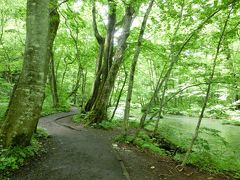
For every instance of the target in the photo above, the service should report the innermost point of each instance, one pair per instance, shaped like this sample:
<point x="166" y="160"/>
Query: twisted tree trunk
<point x="99" y="109"/>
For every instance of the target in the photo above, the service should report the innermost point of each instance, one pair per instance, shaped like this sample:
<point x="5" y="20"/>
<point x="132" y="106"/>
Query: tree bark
<point x="133" y="66"/>
<point x="108" y="46"/>
<point x="120" y="95"/>
<point x="53" y="27"/>
<point x="53" y="85"/>
<point x="99" y="109"/>
<point x="76" y="85"/>
<point x="97" y="81"/>
<point x="26" y="102"/>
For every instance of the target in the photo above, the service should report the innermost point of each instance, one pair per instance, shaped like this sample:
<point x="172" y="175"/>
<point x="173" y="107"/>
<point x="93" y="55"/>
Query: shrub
<point x="14" y="157"/>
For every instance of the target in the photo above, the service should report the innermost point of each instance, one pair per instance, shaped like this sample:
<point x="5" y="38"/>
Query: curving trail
<point x="74" y="154"/>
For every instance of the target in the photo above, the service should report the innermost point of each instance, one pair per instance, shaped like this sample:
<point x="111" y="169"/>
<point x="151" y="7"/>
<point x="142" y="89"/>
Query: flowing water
<point x="187" y="124"/>
<point x="230" y="133"/>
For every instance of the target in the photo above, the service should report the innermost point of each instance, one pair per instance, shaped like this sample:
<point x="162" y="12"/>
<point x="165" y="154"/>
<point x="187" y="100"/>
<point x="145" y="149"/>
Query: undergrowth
<point x="13" y="158"/>
<point x="48" y="108"/>
<point x="83" y="119"/>
<point x="211" y="152"/>
<point x="143" y="141"/>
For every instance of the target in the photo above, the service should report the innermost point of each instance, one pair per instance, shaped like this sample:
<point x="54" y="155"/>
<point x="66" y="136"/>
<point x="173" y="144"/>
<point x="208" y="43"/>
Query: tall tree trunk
<point x="161" y="104"/>
<point x="26" y="102"/>
<point x="53" y="84"/>
<point x="97" y="81"/>
<point x="83" y="90"/>
<point x="108" y="46"/>
<point x="120" y="95"/>
<point x="54" y="24"/>
<point x="76" y="85"/>
<point x="134" y="64"/>
<point x="207" y="92"/>
<point x="99" y="109"/>
<point x="105" y="52"/>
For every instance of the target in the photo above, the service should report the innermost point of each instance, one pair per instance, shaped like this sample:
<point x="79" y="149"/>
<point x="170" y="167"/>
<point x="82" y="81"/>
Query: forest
<point x="163" y="75"/>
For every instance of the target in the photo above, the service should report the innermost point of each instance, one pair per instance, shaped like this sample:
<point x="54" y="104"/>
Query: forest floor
<point x="78" y="153"/>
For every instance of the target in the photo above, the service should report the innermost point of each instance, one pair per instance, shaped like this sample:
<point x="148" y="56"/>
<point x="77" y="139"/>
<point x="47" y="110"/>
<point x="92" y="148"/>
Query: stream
<point x="187" y="124"/>
<point x="230" y="133"/>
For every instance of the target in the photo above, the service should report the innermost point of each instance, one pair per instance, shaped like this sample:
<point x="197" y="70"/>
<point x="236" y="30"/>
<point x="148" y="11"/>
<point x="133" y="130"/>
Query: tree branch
<point x="99" y="38"/>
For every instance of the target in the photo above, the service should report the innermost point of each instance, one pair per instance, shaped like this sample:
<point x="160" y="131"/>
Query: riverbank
<point x="216" y="149"/>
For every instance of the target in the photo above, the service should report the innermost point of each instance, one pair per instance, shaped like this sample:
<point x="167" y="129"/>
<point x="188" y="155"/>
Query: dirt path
<point x="79" y="154"/>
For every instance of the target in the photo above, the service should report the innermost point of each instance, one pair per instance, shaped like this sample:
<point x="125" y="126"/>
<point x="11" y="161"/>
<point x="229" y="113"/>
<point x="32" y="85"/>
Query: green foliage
<point x="133" y="124"/>
<point x="109" y="124"/>
<point x="13" y="158"/>
<point x="210" y="152"/>
<point x="216" y="134"/>
<point x="214" y="157"/>
<point x="124" y="139"/>
<point x="148" y="145"/>
<point x="5" y="89"/>
<point x="79" y="118"/>
<point x="218" y="111"/>
<point x="76" y="118"/>
<point x="143" y="141"/>
<point x="76" y="48"/>
<point x="40" y="134"/>
<point x="3" y="108"/>
<point x="48" y="108"/>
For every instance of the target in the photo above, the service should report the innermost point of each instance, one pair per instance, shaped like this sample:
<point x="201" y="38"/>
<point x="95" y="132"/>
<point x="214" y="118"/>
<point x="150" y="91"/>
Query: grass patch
<point x="48" y="109"/>
<point x="143" y="141"/>
<point x="13" y="158"/>
<point x="79" y="118"/>
<point x="109" y="124"/>
<point x="106" y="124"/>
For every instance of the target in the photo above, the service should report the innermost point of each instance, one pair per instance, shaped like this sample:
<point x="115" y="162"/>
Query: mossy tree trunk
<point x="105" y="52"/>
<point x="26" y="102"/>
<point x="54" y="24"/>
<point x="99" y="109"/>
